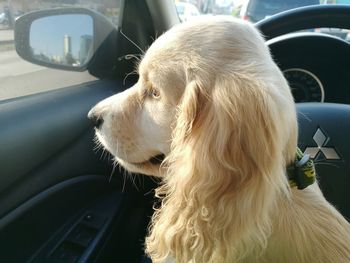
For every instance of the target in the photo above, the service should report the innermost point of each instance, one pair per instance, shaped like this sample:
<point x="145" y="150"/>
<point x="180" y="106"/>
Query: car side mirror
<point x="65" y="38"/>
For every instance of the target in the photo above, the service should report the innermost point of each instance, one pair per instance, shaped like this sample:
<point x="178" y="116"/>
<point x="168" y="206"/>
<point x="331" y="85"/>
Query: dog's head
<point x="135" y="126"/>
<point x="213" y="74"/>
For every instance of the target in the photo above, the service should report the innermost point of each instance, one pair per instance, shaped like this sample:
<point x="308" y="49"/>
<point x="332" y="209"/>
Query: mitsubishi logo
<point x="321" y="140"/>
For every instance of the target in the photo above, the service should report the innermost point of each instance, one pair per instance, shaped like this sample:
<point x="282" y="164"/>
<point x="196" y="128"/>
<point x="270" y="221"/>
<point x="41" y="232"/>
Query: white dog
<point x="212" y="102"/>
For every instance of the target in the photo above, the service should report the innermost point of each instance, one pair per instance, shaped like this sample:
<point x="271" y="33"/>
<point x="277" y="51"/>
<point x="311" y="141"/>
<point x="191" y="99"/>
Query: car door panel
<point x="39" y="130"/>
<point x="50" y="177"/>
<point x="34" y="222"/>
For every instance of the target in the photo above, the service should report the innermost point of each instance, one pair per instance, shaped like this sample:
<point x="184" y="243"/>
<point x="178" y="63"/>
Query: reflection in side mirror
<point x="65" y="39"/>
<point x="74" y="39"/>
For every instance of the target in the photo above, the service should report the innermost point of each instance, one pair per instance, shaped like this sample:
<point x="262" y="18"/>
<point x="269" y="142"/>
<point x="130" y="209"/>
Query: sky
<point x="47" y="33"/>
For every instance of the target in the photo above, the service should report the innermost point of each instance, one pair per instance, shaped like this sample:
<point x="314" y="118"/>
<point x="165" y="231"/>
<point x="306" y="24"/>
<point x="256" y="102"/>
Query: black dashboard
<point x="316" y="65"/>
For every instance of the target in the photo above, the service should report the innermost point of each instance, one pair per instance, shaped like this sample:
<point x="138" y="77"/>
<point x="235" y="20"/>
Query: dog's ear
<point x="233" y="127"/>
<point x="225" y="170"/>
<point x="191" y="104"/>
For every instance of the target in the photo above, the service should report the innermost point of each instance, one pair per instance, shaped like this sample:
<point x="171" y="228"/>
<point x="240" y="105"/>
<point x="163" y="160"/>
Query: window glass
<point x="19" y="77"/>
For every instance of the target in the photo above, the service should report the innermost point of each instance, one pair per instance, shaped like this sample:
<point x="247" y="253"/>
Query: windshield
<point x="180" y="9"/>
<point x="260" y="9"/>
<point x="252" y="10"/>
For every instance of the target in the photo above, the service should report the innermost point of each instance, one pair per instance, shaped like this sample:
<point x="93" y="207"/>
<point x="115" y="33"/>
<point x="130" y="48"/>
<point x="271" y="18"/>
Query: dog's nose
<point x="96" y="119"/>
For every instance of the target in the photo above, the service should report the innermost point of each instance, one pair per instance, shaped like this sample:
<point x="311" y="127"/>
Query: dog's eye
<point x="154" y="93"/>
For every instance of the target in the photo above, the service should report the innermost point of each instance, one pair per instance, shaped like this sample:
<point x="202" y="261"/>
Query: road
<point x="19" y="78"/>
<point x="6" y="35"/>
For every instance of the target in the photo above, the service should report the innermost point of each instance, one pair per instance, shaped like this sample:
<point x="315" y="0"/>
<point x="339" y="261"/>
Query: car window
<point x="19" y="77"/>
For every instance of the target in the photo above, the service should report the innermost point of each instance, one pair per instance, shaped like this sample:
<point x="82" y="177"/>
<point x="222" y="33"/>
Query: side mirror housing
<point x="65" y="38"/>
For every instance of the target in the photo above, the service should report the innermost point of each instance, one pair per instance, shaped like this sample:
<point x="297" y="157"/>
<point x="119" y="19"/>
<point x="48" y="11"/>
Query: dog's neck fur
<point x="302" y="224"/>
<point x="290" y="242"/>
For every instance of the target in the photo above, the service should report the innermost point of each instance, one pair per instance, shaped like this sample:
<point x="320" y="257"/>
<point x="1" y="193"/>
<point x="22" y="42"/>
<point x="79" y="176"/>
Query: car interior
<point x="63" y="200"/>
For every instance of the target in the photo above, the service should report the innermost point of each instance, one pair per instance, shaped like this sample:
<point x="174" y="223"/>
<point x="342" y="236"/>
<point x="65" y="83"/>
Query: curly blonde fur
<point x="225" y="195"/>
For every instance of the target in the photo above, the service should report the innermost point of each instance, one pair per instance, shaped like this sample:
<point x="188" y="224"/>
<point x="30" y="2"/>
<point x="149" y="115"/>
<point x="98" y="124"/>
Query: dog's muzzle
<point x="96" y="120"/>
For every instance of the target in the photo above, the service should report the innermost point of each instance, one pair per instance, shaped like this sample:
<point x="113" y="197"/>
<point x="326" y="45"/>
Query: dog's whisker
<point x="127" y="174"/>
<point x="127" y="75"/>
<point x="155" y="36"/>
<point x="124" y="181"/>
<point x="106" y="154"/>
<point x="97" y="144"/>
<point x="134" y="177"/>
<point x="132" y="42"/>
<point x="98" y="147"/>
<point x="102" y="153"/>
<point x="112" y="172"/>
<point x="149" y="191"/>
<point x="131" y="56"/>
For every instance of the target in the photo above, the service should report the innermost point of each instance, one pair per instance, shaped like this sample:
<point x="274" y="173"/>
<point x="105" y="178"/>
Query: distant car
<point x="3" y="19"/>
<point x="223" y="7"/>
<point x="186" y="11"/>
<point x="255" y="10"/>
<point x="338" y="32"/>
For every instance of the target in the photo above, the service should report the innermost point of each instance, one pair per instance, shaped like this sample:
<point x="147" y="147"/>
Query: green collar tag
<point x="302" y="172"/>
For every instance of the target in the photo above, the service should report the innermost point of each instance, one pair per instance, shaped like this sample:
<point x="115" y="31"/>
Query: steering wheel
<point x="324" y="128"/>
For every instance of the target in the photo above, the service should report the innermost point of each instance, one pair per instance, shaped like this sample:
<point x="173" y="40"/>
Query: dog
<point x="213" y="116"/>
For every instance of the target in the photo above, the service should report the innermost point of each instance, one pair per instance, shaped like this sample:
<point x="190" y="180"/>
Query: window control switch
<point x="67" y="253"/>
<point x="93" y="220"/>
<point x="82" y="235"/>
